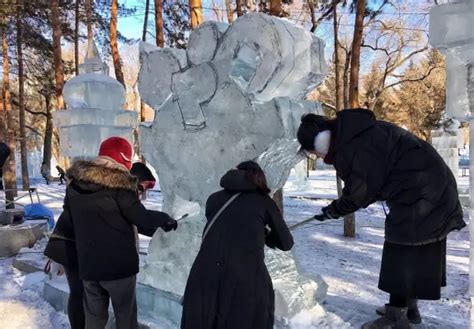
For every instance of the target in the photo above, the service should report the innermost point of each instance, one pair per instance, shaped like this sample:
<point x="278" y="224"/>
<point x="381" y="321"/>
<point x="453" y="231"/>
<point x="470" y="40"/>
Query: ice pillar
<point x="452" y="31"/>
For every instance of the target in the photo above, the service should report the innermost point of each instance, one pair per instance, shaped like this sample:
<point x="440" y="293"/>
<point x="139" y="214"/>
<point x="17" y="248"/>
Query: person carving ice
<point x="96" y="230"/>
<point x="379" y="161"/>
<point x="229" y="285"/>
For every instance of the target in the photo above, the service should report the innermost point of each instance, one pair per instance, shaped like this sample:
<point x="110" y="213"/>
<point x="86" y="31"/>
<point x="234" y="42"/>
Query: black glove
<point x="326" y="213"/>
<point x="171" y="224"/>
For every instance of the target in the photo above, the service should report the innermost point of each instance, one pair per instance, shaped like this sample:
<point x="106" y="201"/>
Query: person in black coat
<point x="95" y="236"/>
<point x="379" y="161"/>
<point x="4" y="154"/>
<point x="229" y="286"/>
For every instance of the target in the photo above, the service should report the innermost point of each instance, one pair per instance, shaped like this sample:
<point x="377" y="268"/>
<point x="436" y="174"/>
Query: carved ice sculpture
<point x="95" y="111"/>
<point x="235" y="94"/>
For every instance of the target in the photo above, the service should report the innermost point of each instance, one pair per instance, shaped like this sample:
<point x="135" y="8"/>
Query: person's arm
<point x="61" y="247"/>
<point x="146" y="221"/>
<point x="362" y="183"/>
<point x="278" y="235"/>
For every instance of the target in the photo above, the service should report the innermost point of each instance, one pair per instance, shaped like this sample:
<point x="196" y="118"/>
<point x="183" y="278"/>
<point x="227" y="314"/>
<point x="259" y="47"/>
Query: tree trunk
<point x="338" y="79"/>
<point x="349" y="220"/>
<point x="275" y="8"/>
<point x="145" y="20"/>
<point x="76" y="38"/>
<point x="3" y="127"/>
<point x="113" y="42"/>
<point x="196" y="13"/>
<point x="145" y="25"/>
<point x="48" y="138"/>
<point x="230" y="11"/>
<point x="21" y="100"/>
<point x="238" y="8"/>
<point x="278" y="198"/>
<point x="337" y="67"/>
<point x="345" y="79"/>
<point x="9" y="175"/>
<point x="160" y="37"/>
<point x="355" y="55"/>
<point x="58" y="62"/>
<point x="89" y="19"/>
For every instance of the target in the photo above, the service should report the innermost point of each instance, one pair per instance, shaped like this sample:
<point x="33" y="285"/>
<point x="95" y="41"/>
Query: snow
<point x="349" y="266"/>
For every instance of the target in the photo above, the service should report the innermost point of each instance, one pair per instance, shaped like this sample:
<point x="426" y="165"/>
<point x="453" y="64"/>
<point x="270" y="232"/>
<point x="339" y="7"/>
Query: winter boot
<point x="413" y="312"/>
<point x="394" y="318"/>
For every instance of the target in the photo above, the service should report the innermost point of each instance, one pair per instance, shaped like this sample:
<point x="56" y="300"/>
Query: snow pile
<point x="21" y="304"/>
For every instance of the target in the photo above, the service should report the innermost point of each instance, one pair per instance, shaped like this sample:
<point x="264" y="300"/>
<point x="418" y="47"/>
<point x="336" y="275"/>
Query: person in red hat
<point x="101" y="207"/>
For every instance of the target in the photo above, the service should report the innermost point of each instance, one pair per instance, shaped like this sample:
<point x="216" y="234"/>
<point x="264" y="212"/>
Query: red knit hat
<point x="118" y="149"/>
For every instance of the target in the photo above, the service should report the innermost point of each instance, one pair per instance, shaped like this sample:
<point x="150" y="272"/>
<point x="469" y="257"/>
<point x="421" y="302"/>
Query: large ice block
<point x="95" y="111"/>
<point x="239" y="96"/>
<point x="92" y="90"/>
<point x="452" y="31"/>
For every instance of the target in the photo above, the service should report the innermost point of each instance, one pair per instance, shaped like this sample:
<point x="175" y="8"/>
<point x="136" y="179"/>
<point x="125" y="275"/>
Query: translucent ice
<point x="92" y="90"/>
<point x="238" y="98"/>
<point x="95" y="111"/>
<point x="452" y="31"/>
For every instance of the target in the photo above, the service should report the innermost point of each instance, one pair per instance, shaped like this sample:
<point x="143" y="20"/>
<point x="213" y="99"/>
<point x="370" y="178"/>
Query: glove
<point x="171" y="224"/>
<point x="326" y="213"/>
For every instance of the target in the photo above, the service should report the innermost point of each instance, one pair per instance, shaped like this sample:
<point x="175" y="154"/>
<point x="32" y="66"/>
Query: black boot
<point x="413" y="312"/>
<point x="394" y="318"/>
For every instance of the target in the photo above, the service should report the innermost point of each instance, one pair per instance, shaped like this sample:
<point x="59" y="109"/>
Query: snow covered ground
<point x="349" y="266"/>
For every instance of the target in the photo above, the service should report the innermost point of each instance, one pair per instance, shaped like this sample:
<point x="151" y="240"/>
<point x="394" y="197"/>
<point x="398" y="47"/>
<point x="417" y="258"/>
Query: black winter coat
<point x="4" y="153"/>
<point x="100" y="207"/>
<point x="379" y="161"/>
<point x="229" y="285"/>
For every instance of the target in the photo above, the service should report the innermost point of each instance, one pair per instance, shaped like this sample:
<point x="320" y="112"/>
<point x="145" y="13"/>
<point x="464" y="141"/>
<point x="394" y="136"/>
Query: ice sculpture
<point x="447" y="140"/>
<point x="95" y="111"/>
<point x="235" y="94"/>
<point x="452" y="31"/>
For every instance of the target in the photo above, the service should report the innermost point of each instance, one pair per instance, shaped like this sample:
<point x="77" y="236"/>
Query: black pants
<point x="96" y="303"/>
<point x="75" y="305"/>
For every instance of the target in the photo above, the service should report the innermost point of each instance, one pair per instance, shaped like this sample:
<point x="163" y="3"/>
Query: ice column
<point x="447" y="140"/>
<point x="452" y="31"/>
<point x="95" y="112"/>
<point x="236" y="93"/>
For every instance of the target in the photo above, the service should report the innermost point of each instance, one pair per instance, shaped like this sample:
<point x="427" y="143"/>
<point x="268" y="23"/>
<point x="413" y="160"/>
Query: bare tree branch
<point x="423" y="77"/>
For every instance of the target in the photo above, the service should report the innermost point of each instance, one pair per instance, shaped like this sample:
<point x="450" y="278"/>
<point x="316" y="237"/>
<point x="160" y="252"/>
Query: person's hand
<point x="326" y="213"/>
<point x="171" y="224"/>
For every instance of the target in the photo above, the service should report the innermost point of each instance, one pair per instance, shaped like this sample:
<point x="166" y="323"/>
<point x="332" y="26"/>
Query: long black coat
<point x="380" y="161"/>
<point x="229" y="285"/>
<point x="94" y="231"/>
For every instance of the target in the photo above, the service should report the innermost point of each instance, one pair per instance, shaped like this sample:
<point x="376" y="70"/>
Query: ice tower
<point x="95" y="109"/>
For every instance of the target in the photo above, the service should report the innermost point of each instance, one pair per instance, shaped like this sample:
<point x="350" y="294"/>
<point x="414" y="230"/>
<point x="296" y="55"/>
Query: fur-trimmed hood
<point x="101" y="172"/>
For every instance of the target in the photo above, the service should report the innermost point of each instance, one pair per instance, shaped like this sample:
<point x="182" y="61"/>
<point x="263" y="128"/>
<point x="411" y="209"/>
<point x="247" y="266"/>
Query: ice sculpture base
<point x="156" y="304"/>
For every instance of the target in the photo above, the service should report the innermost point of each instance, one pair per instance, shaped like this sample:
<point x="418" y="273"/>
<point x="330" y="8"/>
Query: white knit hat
<point x="322" y="141"/>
